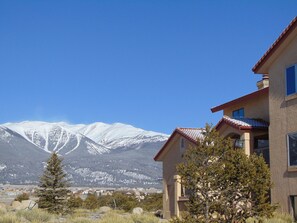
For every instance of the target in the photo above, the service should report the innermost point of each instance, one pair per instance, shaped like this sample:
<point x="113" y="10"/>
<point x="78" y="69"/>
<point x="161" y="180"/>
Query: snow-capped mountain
<point x="99" y="137"/>
<point x="58" y="137"/>
<point x="119" y="135"/>
<point x="98" y="153"/>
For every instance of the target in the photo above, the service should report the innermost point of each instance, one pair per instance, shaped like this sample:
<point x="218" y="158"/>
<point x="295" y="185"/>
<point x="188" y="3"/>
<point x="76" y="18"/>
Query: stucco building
<point x="170" y="155"/>
<point x="262" y="122"/>
<point x="246" y="121"/>
<point x="280" y="64"/>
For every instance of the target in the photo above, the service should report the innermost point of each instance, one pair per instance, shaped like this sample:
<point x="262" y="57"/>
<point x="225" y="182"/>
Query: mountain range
<point x="97" y="154"/>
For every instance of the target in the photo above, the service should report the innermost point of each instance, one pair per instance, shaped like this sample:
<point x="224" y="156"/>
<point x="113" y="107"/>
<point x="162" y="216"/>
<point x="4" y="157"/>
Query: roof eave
<point x="259" y="67"/>
<point x="176" y="131"/>
<point x="240" y="99"/>
<point x="243" y="128"/>
<point x="157" y="156"/>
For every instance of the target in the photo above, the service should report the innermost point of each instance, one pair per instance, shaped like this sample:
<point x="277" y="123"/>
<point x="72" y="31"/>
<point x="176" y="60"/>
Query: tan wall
<point x="283" y="120"/>
<point x="170" y="192"/>
<point x="256" y="108"/>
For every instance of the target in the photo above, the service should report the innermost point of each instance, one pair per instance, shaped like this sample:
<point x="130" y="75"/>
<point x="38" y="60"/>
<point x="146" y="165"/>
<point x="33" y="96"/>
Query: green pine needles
<point x="53" y="192"/>
<point x="223" y="183"/>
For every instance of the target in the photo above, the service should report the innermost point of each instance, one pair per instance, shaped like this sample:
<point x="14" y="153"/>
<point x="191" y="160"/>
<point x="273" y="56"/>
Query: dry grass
<point x="87" y="216"/>
<point x="80" y="220"/>
<point x="35" y="215"/>
<point x="9" y="218"/>
<point x="78" y="216"/>
<point x="277" y="218"/>
<point x="116" y="218"/>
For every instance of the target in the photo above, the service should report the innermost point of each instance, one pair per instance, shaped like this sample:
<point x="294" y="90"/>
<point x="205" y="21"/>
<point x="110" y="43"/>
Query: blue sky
<point x="154" y="64"/>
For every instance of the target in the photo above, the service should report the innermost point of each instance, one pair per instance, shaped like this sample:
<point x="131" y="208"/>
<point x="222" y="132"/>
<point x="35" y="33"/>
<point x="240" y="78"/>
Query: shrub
<point x="124" y="202"/>
<point x="91" y="202"/>
<point x="152" y="202"/>
<point x="22" y="197"/>
<point x="119" y="201"/>
<point x="106" y="200"/>
<point x="75" y="202"/>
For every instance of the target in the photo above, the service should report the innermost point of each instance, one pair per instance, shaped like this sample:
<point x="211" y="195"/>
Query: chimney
<point x="264" y="82"/>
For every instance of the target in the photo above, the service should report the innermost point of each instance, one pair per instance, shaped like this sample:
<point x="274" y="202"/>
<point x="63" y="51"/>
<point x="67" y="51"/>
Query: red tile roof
<point x="243" y="123"/>
<point x="276" y="44"/>
<point x="252" y="95"/>
<point x="191" y="134"/>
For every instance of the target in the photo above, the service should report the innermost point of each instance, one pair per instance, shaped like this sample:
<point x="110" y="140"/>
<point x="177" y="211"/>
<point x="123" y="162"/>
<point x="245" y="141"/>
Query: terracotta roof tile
<point x="192" y="133"/>
<point x="244" y="123"/>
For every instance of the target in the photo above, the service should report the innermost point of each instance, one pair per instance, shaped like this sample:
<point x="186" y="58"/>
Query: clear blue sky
<point x="155" y="64"/>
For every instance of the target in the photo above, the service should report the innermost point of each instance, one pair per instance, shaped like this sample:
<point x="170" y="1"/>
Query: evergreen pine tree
<point x="200" y="171"/>
<point x="53" y="192"/>
<point x="224" y="184"/>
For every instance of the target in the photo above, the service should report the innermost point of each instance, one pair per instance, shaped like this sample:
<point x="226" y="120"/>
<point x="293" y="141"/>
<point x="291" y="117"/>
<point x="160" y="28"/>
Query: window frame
<point x="286" y="77"/>
<point x="288" y="150"/>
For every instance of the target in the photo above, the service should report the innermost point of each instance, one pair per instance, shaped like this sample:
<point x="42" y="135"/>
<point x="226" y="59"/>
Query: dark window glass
<point x="261" y="143"/>
<point x="294" y="206"/>
<point x="292" y="143"/>
<point x="238" y="113"/>
<point x="261" y="147"/>
<point x="265" y="153"/>
<point x="291" y="80"/>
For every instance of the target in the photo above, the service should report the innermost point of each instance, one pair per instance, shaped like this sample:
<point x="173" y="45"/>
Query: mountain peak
<point x="100" y="153"/>
<point x="54" y="136"/>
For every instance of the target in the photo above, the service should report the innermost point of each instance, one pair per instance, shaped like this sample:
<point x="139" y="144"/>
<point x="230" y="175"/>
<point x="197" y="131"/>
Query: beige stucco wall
<point x="171" y="192"/>
<point x="255" y="108"/>
<point x="283" y="120"/>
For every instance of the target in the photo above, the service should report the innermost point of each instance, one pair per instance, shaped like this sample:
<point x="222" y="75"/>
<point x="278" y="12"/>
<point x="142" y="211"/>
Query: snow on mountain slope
<point x="118" y="135"/>
<point x="99" y="137"/>
<point x="101" y="154"/>
<point x="55" y="137"/>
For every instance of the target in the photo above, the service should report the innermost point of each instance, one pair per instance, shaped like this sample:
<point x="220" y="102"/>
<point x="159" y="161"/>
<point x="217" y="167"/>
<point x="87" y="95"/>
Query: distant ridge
<point x="98" y="153"/>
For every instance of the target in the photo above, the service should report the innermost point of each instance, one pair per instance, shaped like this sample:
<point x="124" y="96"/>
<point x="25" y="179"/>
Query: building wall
<point x="256" y="108"/>
<point x="171" y="186"/>
<point x="283" y="120"/>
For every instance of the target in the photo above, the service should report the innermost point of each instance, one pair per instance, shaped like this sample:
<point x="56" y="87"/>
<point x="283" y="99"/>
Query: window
<point x="261" y="147"/>
<point x="291" y="80"/>
<point x="292" y="148"/>
<point x="239" y="113"/>
<point x="238" y="143"/>
<point x="293" y="201"/>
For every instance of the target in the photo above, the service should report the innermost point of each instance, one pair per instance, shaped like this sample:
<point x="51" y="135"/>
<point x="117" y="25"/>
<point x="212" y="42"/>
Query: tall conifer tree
<point x="223" y="183"/>
<point x="53" y="191"/>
